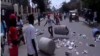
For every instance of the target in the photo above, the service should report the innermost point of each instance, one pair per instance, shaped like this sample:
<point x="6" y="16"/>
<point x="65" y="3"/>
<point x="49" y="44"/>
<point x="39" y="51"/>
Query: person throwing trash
<point x="50" y="27"/>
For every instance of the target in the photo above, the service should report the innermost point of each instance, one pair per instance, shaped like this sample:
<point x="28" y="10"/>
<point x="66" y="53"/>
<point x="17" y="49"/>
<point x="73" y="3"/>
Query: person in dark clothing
<point x="39" y="16"/>
<point x="70" y="17"/>
<point x="60" y="16"/>
<point x="20" y="25"/>
<point x="44" y="15"/>
<point x="90" y="16"/>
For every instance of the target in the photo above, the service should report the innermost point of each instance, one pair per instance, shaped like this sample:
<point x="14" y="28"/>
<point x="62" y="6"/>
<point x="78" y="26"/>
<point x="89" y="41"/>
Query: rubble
<point x="85" y="52"/>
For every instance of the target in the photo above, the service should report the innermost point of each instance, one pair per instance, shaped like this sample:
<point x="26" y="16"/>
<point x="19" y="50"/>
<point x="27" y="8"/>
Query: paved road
<point x="78" y="27"/>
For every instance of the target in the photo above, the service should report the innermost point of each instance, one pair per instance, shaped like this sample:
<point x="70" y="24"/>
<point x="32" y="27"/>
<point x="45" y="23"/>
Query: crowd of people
<point x="90" y="15"/>
<point x="14" y="33"/>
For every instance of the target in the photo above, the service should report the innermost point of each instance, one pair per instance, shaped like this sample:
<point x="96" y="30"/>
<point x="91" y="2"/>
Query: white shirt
<point x="29" y="35"/>
<point x="19" y="22"/>
<point x="64" y="14"/>
<point x="49" y="22"/>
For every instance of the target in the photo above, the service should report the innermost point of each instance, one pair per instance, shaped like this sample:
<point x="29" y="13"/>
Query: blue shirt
<point x="39" y="16"/>
<point x="95" y="30"/>
<point x="2" y="28"/>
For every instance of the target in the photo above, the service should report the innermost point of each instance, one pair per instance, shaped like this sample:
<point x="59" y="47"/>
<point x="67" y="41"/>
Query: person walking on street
<point x="54" y="16"/>
<point x="60" y="16"/>
<point x="90" y="16"/>
<point x="50" y="27"/>
<point x="39" y="16"/>
<point x="12" y="36"/>
<point x="30" y="38"/>
<point x="3" y="33"/>
<point x="20" y="25"/>
<point x="64" y="15"/>
<point x="44" y="16"/>
<point x="70" y="17"/>
<point x="57" y="20"/>
<point x="95" y="16"/>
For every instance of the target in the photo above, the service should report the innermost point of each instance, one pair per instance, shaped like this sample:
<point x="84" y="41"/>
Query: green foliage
<point x="94" y="5"/>
<point x="42" y="4"/>
<point x="64" y="8"/>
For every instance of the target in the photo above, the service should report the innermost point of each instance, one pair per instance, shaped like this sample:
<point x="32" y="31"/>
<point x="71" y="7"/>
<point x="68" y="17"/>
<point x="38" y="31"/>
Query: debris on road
<point x="77" y="53"/>
<point x="39" y="32"/>
<point x="85" y="52"/>
<point x="92" y="45"/>
<point x="80" y="42"/>
<point x="68" y="54"/>
<point x="70" y="47"/>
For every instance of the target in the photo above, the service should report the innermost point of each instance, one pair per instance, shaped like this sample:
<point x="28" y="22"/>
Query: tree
<point x="74" y="5"/>
<point x="93" y="5"/>
<point x="64" y="8"/>
<point x="42" y="4"/>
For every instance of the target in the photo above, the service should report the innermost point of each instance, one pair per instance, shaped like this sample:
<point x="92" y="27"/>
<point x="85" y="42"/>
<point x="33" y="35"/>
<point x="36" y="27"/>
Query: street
<point x="79" y="28"/>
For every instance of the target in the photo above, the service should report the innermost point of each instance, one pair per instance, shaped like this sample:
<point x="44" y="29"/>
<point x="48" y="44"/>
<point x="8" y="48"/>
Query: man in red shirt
<point x="12" y="36"/>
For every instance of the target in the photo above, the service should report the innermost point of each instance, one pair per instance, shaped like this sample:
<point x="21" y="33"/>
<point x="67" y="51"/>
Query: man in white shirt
<point x="30" y="38"/>
<point x="50" y="28"/>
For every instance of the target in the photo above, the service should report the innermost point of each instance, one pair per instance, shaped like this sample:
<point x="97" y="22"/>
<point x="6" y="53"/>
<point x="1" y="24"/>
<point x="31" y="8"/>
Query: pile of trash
<point x="64" y="43"/>
<point x="39" y="32"/>
<point x="78" y="35"/>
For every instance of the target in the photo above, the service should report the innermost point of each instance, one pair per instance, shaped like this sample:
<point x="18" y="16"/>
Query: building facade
<point x="6" y="9"/>
<point x="7" y="2"/>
